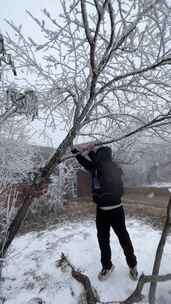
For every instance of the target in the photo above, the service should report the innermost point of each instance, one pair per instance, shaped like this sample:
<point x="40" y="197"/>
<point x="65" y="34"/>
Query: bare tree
<point x="105" y="71"/>
<point x="103" y="68"/>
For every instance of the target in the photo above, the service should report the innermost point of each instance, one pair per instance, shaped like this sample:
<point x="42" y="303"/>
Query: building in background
<point x="69" y="180"/>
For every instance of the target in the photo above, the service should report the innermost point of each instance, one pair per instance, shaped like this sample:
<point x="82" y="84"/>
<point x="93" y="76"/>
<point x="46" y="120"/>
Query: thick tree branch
<point x="85" y="22"/>
<point x="159" y="253"/>
<point x="92" y="296"/>
<point x="162" y="61"/>
<point x="160" y="119"/>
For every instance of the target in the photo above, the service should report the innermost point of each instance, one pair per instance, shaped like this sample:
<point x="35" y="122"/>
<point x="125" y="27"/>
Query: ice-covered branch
<point x="102" y="60"/>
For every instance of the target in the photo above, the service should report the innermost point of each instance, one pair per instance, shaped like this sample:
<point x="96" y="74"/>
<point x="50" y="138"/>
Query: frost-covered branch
<point x="100" y="50"/>
<point x="5" y="58"/>
<point x="97" y="59"/>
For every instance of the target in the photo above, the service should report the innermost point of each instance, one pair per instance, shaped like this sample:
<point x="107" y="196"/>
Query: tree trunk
<point x="38" y="180"/>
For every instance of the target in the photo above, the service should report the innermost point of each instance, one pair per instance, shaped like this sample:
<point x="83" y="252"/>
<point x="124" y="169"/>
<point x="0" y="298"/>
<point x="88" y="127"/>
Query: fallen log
<point x="90" y="294"/>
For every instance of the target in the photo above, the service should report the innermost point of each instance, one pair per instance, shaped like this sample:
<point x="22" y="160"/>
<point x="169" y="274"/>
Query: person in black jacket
<point x="107" y="189"/>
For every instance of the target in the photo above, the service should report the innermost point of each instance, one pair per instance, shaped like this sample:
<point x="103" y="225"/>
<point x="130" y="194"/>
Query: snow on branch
<point x="18" y="103"/>
<point x="103" y="54"/>
<point x="103" y="58"/>
<point x="24" y="102"/>
<point x="90" y="295"/>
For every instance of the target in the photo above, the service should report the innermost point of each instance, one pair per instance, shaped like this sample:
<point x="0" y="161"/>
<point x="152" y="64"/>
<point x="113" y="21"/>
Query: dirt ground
<point x="148" y="205"/>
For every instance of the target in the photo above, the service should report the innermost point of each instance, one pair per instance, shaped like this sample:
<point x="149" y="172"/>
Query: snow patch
<point x="30" y="270"/>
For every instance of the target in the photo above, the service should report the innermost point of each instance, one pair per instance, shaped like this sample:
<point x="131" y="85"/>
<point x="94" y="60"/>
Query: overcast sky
<point x="15" y="11"/>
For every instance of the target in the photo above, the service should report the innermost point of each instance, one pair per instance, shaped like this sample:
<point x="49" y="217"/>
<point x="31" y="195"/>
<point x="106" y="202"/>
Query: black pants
<point x="114" y="218"/>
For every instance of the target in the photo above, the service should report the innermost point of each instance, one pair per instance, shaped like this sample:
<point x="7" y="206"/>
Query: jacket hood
<point x="103" y="154"/>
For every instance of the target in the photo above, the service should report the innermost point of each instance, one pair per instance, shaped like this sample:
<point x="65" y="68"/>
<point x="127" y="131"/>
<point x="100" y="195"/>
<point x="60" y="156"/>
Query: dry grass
<point x="149" y="205"/>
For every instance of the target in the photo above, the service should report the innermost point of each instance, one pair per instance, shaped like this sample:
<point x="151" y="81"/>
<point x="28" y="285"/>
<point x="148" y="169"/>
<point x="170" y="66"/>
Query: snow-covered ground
<point x="31" y="271"/>
<point x="159" y="185"/>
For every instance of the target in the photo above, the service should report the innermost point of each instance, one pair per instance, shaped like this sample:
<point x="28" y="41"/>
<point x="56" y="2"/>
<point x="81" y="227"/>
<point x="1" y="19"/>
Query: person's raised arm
<point x="91" y="155"/>
<point x="87" y="164"/>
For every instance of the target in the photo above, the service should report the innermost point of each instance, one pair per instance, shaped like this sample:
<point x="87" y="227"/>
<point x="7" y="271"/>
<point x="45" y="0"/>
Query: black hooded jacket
<point x="107" y="187"/>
